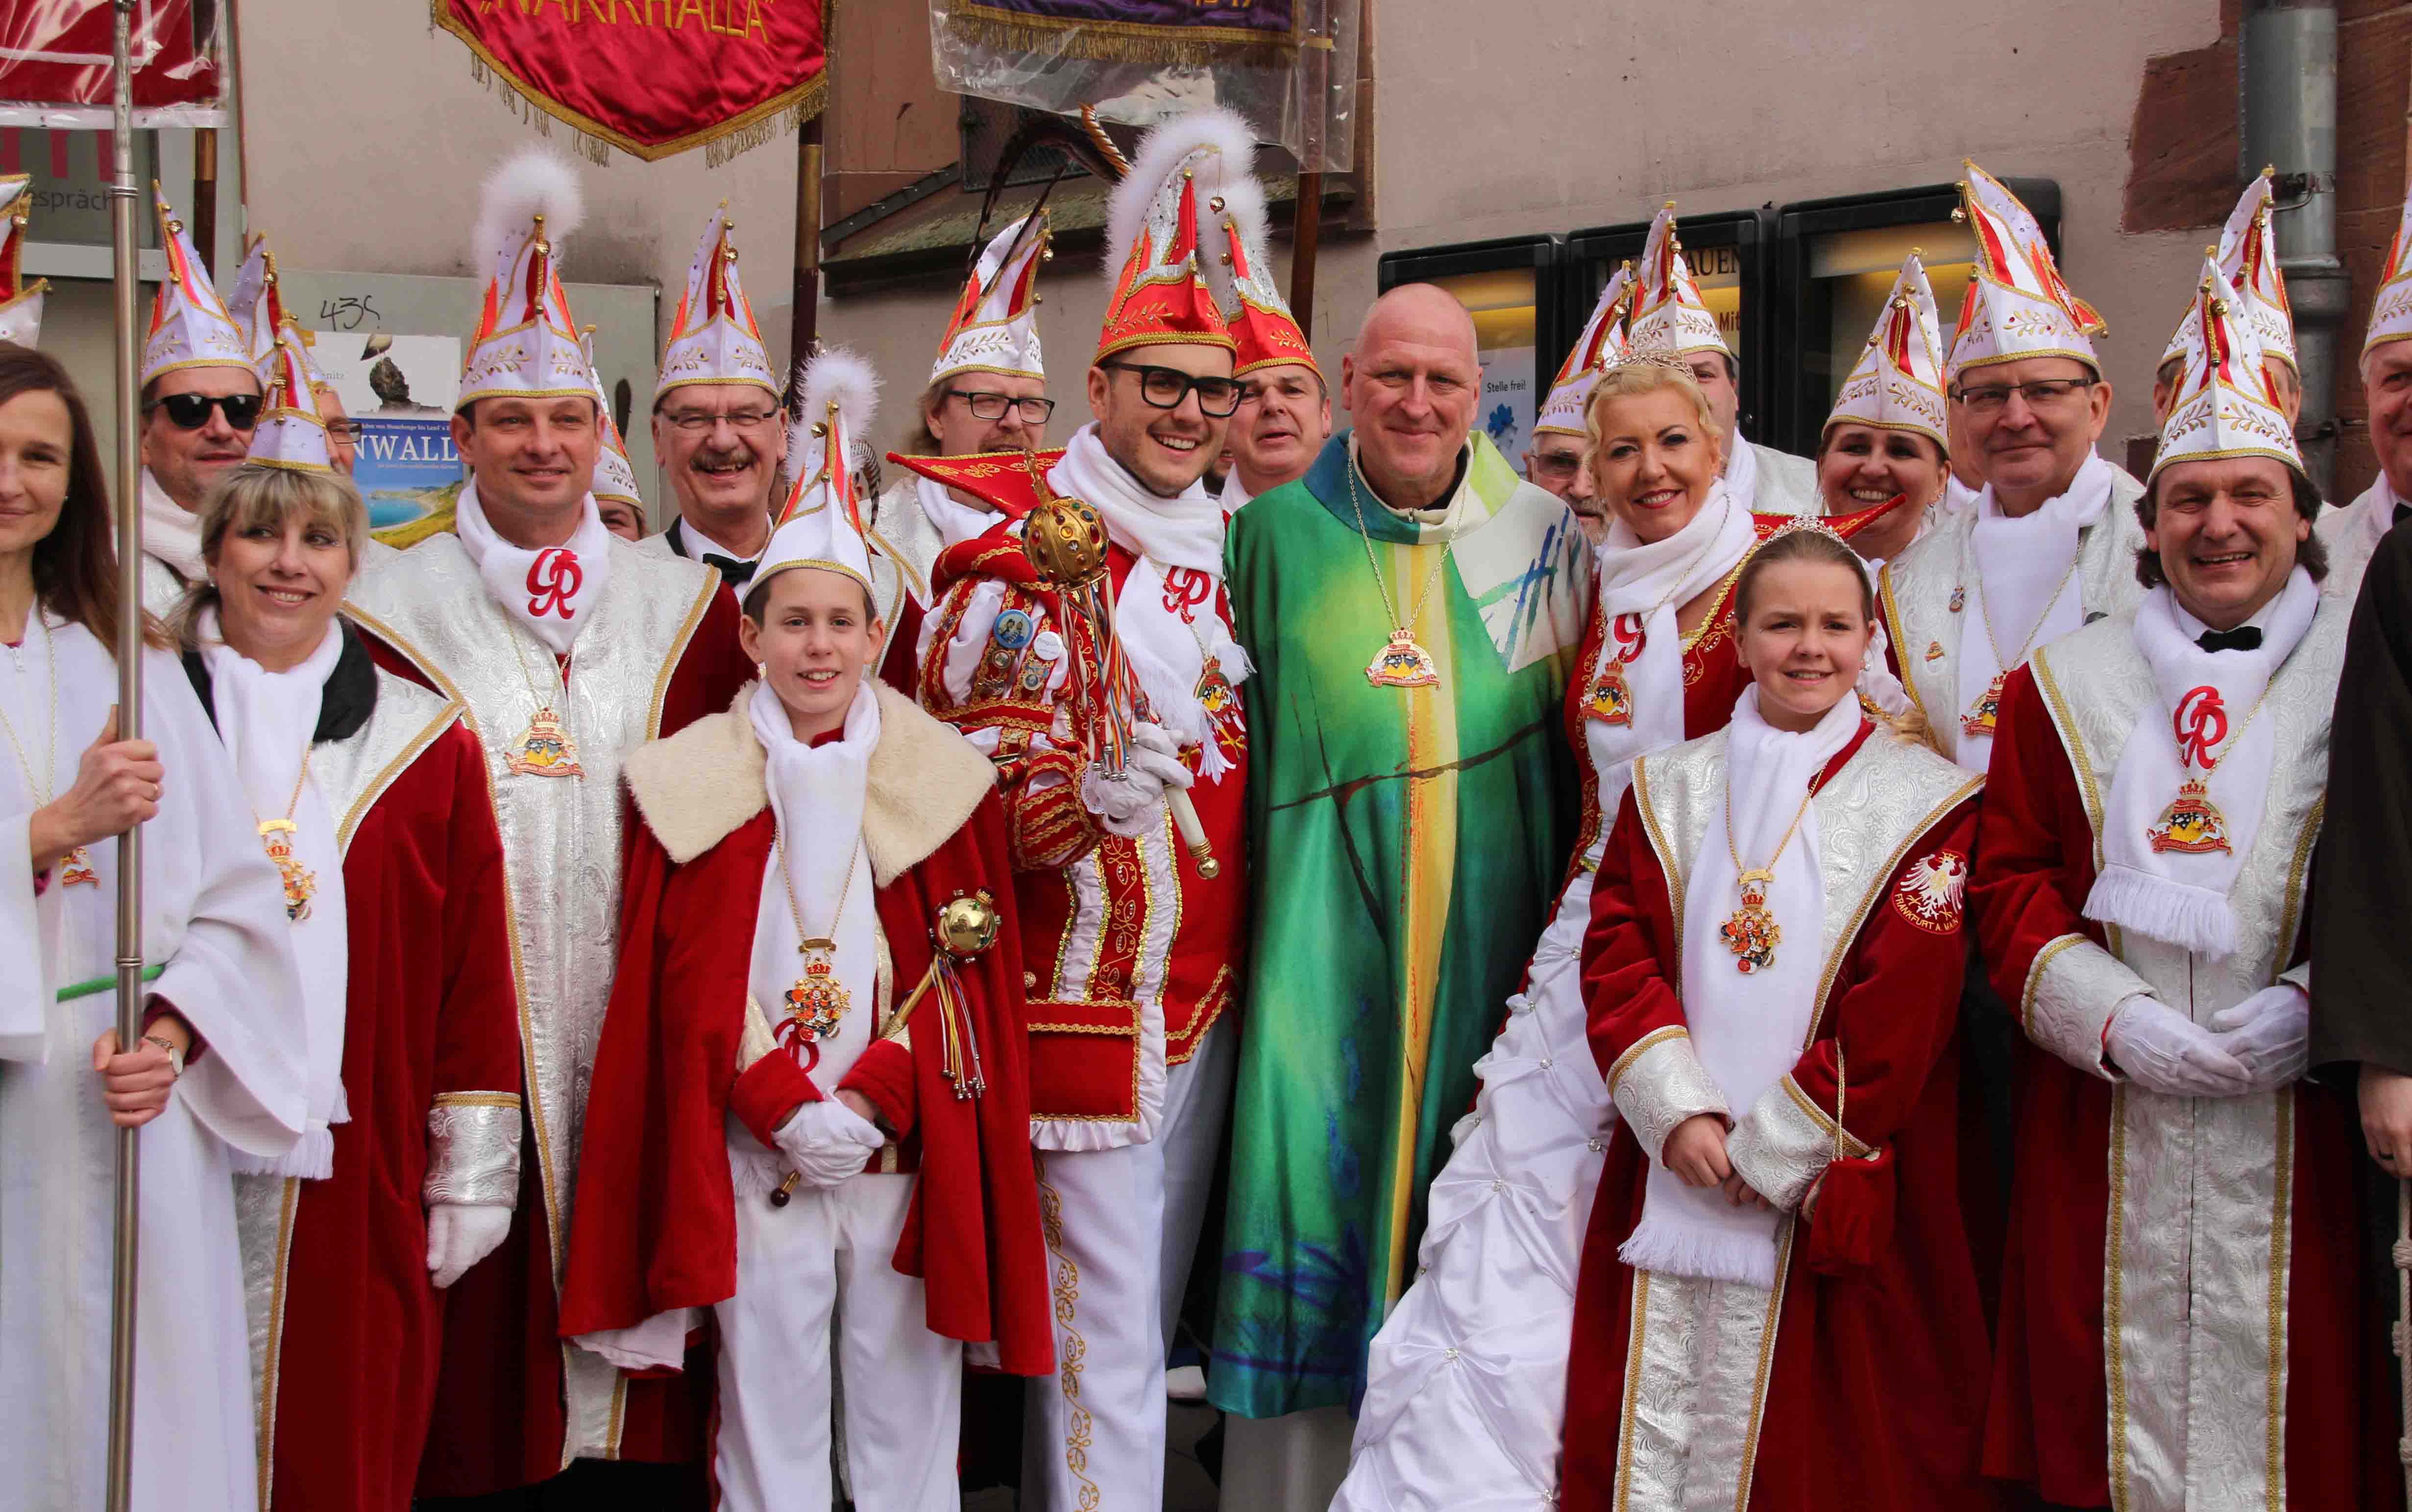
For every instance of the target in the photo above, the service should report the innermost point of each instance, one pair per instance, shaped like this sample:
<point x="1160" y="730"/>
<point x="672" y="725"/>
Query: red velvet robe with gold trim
<point x="2049" y="1422"/>
<point x="1875" y="1392"/>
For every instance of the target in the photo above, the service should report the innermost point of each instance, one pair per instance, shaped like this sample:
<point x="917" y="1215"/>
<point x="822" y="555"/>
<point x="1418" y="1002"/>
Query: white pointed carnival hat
<point x="615" y="475"/>
<point x="258" y="307"/>
<point x="2390" y="312"/>
<point x="2016" y="307"/>
<point x="1161" y="296"/>
<point x="20" y="303"/>
<point x="289" y="435"/>
<point x="2224" y="407"/>
<point x="820" y="524"/>
<point x="1668" y="315"/>
<point x="2250" y="264"/>
<point x="1237" y="258"/>
<point x="526" y="345"/>
<point x="190" y="327"/>
<point x="1897" y="385"/>
<point x="994" y="327"/>
<point x="713" y="338"/>
<point x="1602" y="346"/>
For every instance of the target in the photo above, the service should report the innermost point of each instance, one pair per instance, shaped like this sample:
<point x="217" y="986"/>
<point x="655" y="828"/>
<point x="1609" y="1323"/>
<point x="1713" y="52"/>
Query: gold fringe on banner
<point x="593" y="139"/>
<point x="1116" y="41"/>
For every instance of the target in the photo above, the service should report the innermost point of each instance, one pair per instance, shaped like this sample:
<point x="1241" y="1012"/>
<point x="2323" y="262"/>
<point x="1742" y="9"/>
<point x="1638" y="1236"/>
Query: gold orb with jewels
<point x="1065" y="538"/>
<point x="968" y="926"/>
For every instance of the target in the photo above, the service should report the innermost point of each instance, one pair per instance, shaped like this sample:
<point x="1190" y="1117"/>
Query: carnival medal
<point x="300" y="883"/>
<point x="818" y="1001"/>
<point x="2192" y="824"/>
<point x="1979" y="719"/>
<point x="546" y="750"/>
<point x="1751" y="931"/>
<point x="1403" y="663"/>
<point x="1610" y="699"/>
<point x="76" y="870"/>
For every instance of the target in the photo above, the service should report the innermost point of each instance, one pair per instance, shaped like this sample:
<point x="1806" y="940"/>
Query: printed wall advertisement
<point x="1508" y="401"/>
<point x="401" y="389"/>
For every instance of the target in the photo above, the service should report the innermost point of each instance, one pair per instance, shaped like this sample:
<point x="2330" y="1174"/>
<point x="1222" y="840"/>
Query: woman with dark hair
<point x="217" y="1075"/>
<point x="375" y="794"/>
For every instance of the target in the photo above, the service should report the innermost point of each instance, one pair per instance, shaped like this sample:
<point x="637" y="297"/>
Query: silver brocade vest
<point x="561" y="835"/>
<point x="2194" y="1280"/>
<point x="353" y="773"/>
<point x="1926" y="590"/>
<point x="902" y="534"/>
<point x="1696" y="1382"/>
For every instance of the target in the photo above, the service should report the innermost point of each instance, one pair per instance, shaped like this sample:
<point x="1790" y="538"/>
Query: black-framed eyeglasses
<point x="693" y="421"/>
<point x="987" y="405"/>
<point x="1989" y="399"/>
<point x="350" y="430"/>
<point x="190" y="412"/>
<point x="1166" y="387"/>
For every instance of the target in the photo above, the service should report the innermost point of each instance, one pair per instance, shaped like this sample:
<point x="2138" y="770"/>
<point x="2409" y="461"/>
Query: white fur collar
<point x="695" y="788"/>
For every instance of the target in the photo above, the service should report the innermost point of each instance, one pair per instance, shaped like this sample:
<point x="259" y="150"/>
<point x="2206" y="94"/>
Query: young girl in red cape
<point x="810" y="1116"/>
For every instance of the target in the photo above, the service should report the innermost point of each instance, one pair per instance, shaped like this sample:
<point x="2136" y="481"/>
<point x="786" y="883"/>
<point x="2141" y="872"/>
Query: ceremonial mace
<point x="129" y="727"/>
<point x="1064" y="539"/>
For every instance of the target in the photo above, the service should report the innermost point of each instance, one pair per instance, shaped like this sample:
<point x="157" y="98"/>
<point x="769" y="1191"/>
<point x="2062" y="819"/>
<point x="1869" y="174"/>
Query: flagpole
<point x="129" y="727"/>
<point x="803" y="319"/>
<point x="1306" y="212"/>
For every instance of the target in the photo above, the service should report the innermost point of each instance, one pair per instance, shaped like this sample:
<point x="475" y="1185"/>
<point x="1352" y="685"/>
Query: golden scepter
<point x="1064" y="539"/>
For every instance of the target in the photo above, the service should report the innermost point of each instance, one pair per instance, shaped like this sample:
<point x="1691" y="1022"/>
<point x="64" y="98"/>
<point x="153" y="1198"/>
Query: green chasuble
<point x="1405" y="847"/>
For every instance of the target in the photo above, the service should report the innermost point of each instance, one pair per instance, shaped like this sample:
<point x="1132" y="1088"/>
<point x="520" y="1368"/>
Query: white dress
<point x="215" y="914"/>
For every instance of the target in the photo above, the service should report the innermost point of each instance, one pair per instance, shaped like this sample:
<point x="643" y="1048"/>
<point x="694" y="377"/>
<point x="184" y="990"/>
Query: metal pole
<point x="1306" y="217"/>
<point x="129" y="727"/>
<point x="2288" y="73"/>
<point x="205" y="197"/>
<point x="803" y="321"/>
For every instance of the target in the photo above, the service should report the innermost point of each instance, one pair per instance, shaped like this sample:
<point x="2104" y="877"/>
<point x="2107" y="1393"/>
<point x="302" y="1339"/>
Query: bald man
<point x="1412" y="608"/>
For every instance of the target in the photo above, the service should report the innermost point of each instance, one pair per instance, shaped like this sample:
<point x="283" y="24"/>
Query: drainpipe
<point x="2287" y="74"/>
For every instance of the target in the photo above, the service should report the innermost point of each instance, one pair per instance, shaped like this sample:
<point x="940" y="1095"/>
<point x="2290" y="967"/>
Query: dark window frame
<point x="1592" y="255"/>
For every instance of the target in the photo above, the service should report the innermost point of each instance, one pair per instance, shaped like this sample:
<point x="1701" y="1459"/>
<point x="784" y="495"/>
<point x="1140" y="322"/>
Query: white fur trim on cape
<point x="695" y="788"/>
<point x="1159" y="155"/>
<point x="534" y="180"/>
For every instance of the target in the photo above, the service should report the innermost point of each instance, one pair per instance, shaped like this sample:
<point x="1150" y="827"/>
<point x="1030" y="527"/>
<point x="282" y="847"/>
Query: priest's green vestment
<point x="1405" y="848"/>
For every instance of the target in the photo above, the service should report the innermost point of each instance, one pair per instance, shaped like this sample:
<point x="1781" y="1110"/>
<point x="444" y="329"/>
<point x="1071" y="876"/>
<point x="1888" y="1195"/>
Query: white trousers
<point x="1121" y="1226"/>
<point x="904" y="1384"/>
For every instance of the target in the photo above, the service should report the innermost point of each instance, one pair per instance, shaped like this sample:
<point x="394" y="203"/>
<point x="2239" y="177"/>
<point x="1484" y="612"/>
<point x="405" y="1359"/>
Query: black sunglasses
<point x="1166" y="387"/>
<point x="190" y="412"/>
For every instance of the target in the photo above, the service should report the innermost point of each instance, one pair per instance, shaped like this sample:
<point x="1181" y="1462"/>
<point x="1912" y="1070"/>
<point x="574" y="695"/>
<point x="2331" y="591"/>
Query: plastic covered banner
<point x="56" y="60"/>
<point x="1287" y="67"/>
<point x="654" y="76"/>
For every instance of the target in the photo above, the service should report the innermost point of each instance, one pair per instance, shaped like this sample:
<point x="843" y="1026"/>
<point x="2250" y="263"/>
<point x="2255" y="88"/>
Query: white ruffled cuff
<point x="2074" y="988"/>
<point x="473" y="1148"/>
<point x="1659" y="1083"/>
<point x="1785" y="1144"/>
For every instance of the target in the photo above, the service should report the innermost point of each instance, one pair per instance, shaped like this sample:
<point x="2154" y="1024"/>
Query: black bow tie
<point x="2243" y="638"/>
<point x="737" y="574"/>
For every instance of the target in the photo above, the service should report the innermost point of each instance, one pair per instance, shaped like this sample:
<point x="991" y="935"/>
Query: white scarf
<point x="552" y="590"/>
<point x="1642" y="587"/>
<point x="1742" y="471"/>
<point x="956" y="521"/>
<point x="1234" y="494"/>
<point x="1747" y="1031"/>
<point x="265" y="721"/>
<point x="1167" y="613"/>
<point x="817" y="795"/>
<point x="2024" y="578"/>
<point x="2177" y="896"/>
<point x="171" y="532"/>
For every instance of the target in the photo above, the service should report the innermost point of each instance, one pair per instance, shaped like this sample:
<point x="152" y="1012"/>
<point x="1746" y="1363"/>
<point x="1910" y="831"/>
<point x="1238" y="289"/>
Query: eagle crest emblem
<point x="1930" y="893"/>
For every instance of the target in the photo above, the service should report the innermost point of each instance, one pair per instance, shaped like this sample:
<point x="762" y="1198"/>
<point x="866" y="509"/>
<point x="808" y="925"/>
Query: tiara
<point x="1796" y="523"/>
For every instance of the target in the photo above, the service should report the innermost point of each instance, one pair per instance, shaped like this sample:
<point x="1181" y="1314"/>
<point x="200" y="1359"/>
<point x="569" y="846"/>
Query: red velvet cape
<point x="664" y="1080"/>
<point x="2049" y="1422"/>
<point x="1875" y="1384"/>
<point x="431" y="1008"/>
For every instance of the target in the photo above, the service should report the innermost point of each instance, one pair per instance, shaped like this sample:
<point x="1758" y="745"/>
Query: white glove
<point x="1133" y="805"/>
<point x="461" y="1234"/>
<point x="2163" y="1051"/>
<point x="829" y="1142"/>
<point x="2270" y="1033"/>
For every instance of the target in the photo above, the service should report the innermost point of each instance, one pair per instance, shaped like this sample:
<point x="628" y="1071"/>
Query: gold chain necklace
<point x="1751" y="931"/>
<point x="1402" y="663"/>
<point x="546" y="749"/>
<point x="1982" y="716"/>
<point x="818" y="1001"/>
<point x="75" y="866"/>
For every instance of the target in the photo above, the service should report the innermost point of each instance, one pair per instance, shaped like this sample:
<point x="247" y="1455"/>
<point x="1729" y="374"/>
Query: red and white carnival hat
<point x="2250" y="263"/>
<point x="2224" y="405"/>
<point x="994" y="327"/>
<point x="1240" y="273"/>
<point x="1897" y="385"/>
<point x="289" y="435"/>
<point x="1669" y="317"/>
<point x="2016" y="307"/>
<point x="820" y="524"/>
<point x="20" y="303"/>
<point x="713" y="338"/>
<point x="1160" y="298"/>
<point x="190" y="327"/>
<point x="526" y="346"/>
<point x="1601" y="347"/>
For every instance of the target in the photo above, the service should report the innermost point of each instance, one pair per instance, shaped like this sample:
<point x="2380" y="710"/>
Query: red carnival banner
<point x="54" y="63"/>
<point x="655" y="77"/>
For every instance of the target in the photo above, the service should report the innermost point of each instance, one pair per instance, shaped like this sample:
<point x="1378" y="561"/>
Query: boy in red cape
<point x="810" y="1083"/>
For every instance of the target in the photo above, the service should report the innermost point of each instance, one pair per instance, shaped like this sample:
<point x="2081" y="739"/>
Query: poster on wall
<point x="401" y="389"/>
<point x="1509" y="403"/>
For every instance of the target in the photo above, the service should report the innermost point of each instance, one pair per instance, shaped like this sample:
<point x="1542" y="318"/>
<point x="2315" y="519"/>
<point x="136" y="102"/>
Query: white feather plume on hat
<point x="531" y="181"/>
<point x="841" y="376"/>
<point x="1160" y="156"/>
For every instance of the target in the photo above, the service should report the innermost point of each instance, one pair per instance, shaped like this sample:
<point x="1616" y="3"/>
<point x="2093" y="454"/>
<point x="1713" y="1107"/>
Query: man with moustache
<point x="717" y="424"/>
<point x="570" y="650"/>
<point x="2352" y="533"/>
<point x="1131" y="939"/>
<point x="201" y="399"/>
<point x="1413" y="609"/>
<point x="987" y="393"/>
